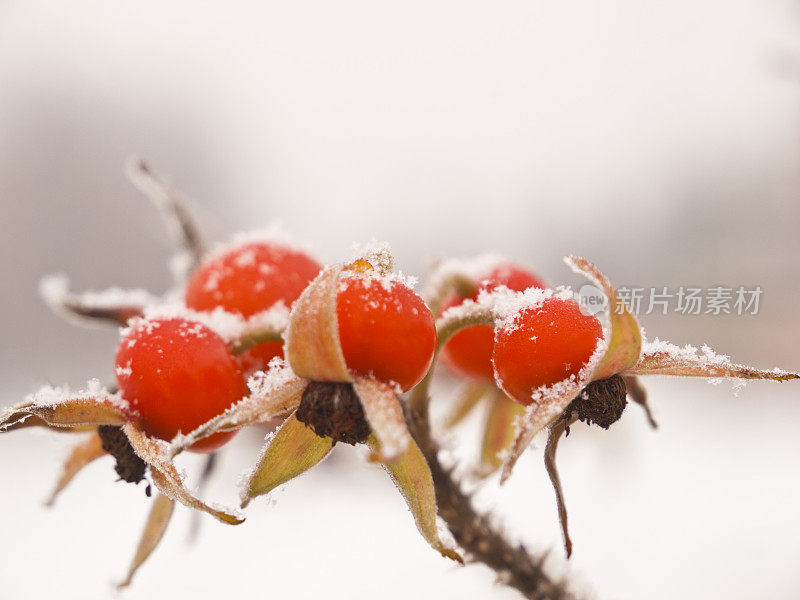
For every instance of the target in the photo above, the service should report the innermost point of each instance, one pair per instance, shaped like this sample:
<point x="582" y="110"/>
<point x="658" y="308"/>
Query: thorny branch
<point x="475" y="533"/>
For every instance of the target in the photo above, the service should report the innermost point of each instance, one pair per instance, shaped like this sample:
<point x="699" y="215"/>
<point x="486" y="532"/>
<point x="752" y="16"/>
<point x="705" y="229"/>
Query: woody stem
<point x="476" y="533"/>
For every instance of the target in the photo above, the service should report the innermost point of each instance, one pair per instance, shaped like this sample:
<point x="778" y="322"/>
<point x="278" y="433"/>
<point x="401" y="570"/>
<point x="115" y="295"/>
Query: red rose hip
<point x="177" y="375"/>
<point x="542" y="346"/>
<point x="386" y="330"/>
<point x="248" y="279"/>
<point x="470" y="350"/>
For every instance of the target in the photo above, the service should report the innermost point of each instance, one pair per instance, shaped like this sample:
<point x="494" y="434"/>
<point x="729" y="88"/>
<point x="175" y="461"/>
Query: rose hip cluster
<point x="344" y="353"/>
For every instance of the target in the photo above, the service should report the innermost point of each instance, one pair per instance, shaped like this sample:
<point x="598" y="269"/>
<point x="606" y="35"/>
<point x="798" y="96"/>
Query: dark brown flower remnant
<point x="602" y="402"/>
<point x="333" y="410"/>
<point x="130" y="467"/>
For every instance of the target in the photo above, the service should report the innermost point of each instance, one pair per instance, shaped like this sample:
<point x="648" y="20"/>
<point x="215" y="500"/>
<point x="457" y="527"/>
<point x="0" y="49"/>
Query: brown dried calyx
<point x="130" y="467"/>
<point x="602" y="402"/>
<point x="333" y="410"/>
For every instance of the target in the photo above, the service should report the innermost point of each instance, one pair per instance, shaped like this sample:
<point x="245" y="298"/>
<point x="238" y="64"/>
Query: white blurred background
<point x="660" y="139"/>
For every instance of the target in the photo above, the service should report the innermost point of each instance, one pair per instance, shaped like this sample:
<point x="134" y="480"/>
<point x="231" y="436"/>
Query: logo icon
<point x="592" y="300"/>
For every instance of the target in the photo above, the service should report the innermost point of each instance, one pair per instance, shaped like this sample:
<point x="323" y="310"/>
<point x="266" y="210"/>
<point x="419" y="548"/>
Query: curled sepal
<point x="667" y="359"/>
<point x="467" y="314"/>
<point x="384" y="413"/>
<point x="257" y="333"/>
<point x="556" y="431"/>
<point x="625" y="339"/>
<point x="166" y="477"/>
<point x="499" y="431"/>
<point x="293" y="450"/>
<point x="548" y="404"/>
<point x="81" y="455"/>
<point x="412" y="476"/>
<point x="63" y="412"/>
<point x="466" y="400"/>
<point x="273" y="394"/>
<point x="154" y="528"/>
<point x="313" y="349"/>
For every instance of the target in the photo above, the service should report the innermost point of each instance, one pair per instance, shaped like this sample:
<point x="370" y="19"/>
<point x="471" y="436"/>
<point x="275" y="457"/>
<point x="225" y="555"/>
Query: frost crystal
<point x="263" y="383"/>
<point x="378" y="254"/>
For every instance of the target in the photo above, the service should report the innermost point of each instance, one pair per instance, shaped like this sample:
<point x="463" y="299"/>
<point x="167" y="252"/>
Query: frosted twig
<point x="172" y="205"/>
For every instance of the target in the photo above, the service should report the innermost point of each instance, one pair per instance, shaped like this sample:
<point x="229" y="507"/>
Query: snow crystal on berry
<point x="269" y="235"/>
<point x="378" y="254"/>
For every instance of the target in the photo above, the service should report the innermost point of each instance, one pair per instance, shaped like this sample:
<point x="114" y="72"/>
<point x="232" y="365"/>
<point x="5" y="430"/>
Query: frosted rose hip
<point x="249" y="279"/>
<point x="470" y="350"/>
<point x="177" y="375"/>
<point x="386" y="330"/>
<point x="543" y="346"/>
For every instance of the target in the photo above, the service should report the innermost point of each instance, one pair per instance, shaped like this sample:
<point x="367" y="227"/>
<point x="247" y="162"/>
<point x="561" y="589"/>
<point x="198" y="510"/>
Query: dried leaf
<point x="293" y="451"/>
<point x="412" y="476"/>
<point x="499" y="431"/>
<point x="688" y="365"/>
<point x="156" y="453"/>
<point x="465" y="401"/>
<point x="312" y="345"/>
<point x="156" y="525"/>
<point x="384" y="413"/>
<point x="81" y="455"/>
<point x="625" y="341"/>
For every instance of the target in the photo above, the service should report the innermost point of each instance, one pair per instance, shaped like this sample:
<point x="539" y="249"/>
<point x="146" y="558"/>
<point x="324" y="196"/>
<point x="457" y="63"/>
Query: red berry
<point x="177" y="375"/>
<point x="385" y="329"/>
<point x="249" y="279"/>
<point x="470" y="350"/>
<point x="543" y="346"/>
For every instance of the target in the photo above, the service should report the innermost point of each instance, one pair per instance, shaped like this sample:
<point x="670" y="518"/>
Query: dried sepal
<point x="154" y="528"/>
<point x="625" y="339"/>
<point x="114" y="305"/>
<point x="550" y="403"/>
<point x="412" y="476"/>
<point x="255" y="334"/>
<point x="638" y="394"/>
<point x="557" y="429"/>
<point x="273" y="394"/>
<point x="293" y="450"/>
<point x="687" y="363"/>
<point x="172" y="206"/>
<point x="466" y="400"/>
<point x="156" y="453"/>
<point x="384" y="413"/>
<point x="499" y="431"/>
<point x="312" y="348"/>
<point x="82" y="454"/>
<point x="467" y="314"/>
<point x="66" y="413"/>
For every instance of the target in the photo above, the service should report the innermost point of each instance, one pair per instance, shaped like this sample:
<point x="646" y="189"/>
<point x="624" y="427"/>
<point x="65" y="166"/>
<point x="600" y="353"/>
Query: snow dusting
<point x="49" y="396"/>
<point x="54" y="289"/>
